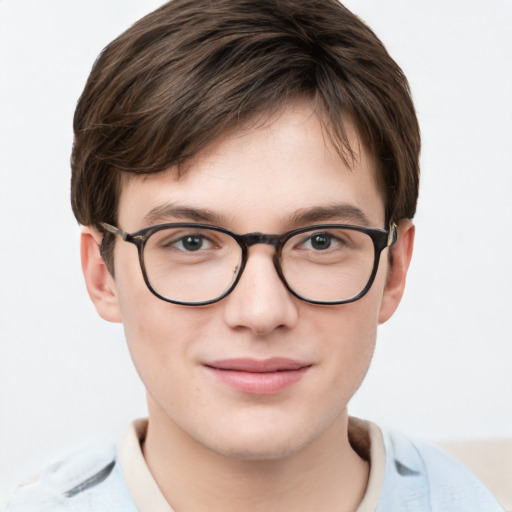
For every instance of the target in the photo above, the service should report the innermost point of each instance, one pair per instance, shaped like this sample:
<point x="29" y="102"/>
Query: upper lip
<point x="273" y="364"/>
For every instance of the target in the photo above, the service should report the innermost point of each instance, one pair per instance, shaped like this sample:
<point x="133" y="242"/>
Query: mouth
<point x="258" y="376"/>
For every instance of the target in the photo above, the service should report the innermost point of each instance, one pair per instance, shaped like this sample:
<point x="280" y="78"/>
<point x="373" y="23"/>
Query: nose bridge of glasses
<point x="260" y="238"/>
<point x="249" y="239"/>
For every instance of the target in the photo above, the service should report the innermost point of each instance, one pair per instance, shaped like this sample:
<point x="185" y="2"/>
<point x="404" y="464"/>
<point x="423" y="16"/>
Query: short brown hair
<point x="184" y="74"/>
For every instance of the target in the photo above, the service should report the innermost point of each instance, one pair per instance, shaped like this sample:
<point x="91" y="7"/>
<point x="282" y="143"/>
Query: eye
<point x="192" y="243"/>
<point x="319" y="241"/>
<point x="323" y="241"/>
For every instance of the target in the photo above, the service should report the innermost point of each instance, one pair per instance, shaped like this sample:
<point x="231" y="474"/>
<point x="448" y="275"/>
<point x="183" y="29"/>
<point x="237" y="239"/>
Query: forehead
<point x="264" y="173"/>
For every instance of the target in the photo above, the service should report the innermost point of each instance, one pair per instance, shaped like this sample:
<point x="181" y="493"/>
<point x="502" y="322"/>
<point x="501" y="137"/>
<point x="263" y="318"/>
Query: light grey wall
<point x="442" y="367"/>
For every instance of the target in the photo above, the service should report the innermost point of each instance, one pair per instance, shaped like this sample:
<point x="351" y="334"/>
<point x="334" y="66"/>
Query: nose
<point x="260" y="302"/>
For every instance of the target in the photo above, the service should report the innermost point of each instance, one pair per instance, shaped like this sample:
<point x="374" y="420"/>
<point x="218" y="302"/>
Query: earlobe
<point x="100" y="283"/>
<point x="397" y="274"/>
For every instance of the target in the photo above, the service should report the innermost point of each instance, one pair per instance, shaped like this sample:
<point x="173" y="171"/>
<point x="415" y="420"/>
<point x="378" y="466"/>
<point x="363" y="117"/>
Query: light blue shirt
<point x="418" y="478"/>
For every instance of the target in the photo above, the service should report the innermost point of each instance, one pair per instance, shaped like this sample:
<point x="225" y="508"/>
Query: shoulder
<point x="90" y="480"/>
<point x="422" y="475"/>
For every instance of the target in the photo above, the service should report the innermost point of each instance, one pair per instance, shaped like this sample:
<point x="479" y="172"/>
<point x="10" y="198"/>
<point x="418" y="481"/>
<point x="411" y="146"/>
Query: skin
<point x="212" y="447"/>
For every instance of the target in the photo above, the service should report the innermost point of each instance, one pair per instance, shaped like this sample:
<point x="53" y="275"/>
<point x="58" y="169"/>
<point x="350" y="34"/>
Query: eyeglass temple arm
<point x="115" y="231"/>
<point x="393" y="234"/>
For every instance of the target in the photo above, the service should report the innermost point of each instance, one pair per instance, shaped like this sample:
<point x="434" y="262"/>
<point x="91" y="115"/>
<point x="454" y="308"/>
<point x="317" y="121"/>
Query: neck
<point x="325" y="475"/>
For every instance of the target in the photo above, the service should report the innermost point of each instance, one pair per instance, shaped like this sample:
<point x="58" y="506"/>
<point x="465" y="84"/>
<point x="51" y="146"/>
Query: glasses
<point x="199" y="264"/>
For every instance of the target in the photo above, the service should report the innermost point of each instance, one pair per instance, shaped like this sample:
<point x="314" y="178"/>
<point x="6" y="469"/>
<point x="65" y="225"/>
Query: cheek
<point x="162" y="339"/>
<point x="157" y="346"/>
<point x="148" y="323"/>
<point x="347" y="336"/>
<point x="358" y="324"/>
<point x="142" y="312"/>
<point x="356" y="339"/>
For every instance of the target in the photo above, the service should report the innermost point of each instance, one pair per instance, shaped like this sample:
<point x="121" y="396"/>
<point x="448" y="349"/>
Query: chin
<point x="258" y="451"/>
<point x="259" y="444"/>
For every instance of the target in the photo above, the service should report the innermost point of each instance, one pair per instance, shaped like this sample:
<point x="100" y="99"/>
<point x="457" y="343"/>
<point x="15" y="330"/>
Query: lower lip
<point x="259" y="383"/>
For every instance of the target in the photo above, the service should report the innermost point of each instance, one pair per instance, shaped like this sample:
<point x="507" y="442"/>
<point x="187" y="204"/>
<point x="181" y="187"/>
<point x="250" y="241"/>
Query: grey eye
<point x="321" y="241"/>
<point x="192" y="243"/>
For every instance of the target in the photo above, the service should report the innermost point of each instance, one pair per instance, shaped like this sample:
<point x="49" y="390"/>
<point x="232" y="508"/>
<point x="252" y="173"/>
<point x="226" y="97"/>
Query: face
<point x="210" y="371"/>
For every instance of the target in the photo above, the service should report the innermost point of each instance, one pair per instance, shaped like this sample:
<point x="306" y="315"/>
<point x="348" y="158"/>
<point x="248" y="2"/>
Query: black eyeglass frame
<point x="381" y="239"/>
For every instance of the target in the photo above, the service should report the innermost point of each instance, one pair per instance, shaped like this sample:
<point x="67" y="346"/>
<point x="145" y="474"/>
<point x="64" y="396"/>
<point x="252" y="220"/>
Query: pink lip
<point x="258" y="376"/>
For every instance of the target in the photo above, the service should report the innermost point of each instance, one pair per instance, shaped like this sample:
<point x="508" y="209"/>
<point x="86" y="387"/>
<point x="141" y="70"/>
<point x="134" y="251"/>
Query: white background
<point x="442" y="369"/>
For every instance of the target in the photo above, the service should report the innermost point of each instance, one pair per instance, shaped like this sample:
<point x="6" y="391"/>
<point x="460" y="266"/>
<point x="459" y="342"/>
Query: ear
<point x="100" y="283"/>
<point x="397" y="271"/>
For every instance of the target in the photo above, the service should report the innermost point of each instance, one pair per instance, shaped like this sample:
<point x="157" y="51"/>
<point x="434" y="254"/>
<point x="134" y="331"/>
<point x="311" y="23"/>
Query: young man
<point x="246" y="173"/>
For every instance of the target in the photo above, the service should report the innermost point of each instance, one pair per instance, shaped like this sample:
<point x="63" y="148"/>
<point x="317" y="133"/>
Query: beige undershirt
<point x="365" y="438"/>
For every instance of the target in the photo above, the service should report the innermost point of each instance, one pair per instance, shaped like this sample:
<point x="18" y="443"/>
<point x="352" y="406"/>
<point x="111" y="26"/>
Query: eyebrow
<point x="338" y="212"/>
<point x="165" y="212"/>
